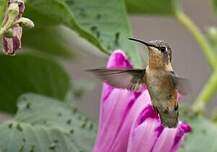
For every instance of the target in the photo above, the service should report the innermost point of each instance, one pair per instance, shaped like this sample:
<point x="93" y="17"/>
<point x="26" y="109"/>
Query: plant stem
<point x="205" y="95"/>
<point x="1" y="32"/>
<point x="211" y="86"/>
<point x="207" y="50"/>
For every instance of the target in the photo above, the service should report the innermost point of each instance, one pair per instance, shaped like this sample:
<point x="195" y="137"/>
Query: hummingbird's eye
<point x="163" y="49"/>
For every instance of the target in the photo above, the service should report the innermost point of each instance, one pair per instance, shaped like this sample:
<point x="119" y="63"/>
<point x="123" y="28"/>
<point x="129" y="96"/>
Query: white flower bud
<point x="25" y="22"/>
<point x="13" y="9"/>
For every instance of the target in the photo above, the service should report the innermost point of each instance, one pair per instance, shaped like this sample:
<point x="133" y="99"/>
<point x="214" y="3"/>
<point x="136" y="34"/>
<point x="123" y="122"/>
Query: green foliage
<point x="47" y="40"/>
<point x="30" y="73"/>
<point x="203" y="135"/>
<point x="212" y="38"/>
<point x="44" y="124"/>
<point x="215" y="5"/>
<point x="151" y="7"/>
<point x="103" y="24"/>
<point x="2" y="9"/>
<point x="110" y="29"/>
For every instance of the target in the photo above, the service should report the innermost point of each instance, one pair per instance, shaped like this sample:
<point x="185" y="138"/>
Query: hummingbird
<point x="162" y="82"/>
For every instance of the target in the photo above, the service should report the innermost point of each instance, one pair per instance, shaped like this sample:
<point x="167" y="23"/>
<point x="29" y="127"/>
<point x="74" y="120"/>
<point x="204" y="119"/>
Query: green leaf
<point x="3" y="4"/>
<point x="103" y="24"/>
<point x="47" y="40"/>
<point x="45" y="124"/>
<point x="97" y="17"/>
<point x="151" y="7"/>
<point x="30" y="73"/>
<point x="215" y="5"/>
<point x="202" y="137"/>
<point x="24" y="137"/>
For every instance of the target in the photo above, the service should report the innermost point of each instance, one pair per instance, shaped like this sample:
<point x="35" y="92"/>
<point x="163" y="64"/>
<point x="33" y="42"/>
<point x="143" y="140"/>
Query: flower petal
<point x="132" y="111"/>
<point x="148" y="135"/>
<point x="145" y="131"/>
<point x="10" y="45"/>
<point x="171" y="138"/>
<point x="182" y="130"/>
<point x="119" y="108"/>
<point x="118" y="59"/>
<point x="113" y="114"/>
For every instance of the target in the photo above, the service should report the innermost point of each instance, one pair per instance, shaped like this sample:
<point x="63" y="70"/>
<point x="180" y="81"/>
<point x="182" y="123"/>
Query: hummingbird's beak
<point x="145" y="43"/>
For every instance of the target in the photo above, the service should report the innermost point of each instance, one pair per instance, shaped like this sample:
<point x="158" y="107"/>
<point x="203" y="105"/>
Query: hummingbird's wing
<point x="182" y="85"/>
<point x="132" y="79"/>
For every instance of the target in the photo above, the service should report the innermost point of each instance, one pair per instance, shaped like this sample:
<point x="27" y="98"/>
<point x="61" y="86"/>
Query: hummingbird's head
<point x="161" y="49"/>
<point x="160" y="53"/>
<point x="169" y="117"/>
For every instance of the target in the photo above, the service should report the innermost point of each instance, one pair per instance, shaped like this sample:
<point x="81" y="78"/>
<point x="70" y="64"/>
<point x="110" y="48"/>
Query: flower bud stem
<point x="211" y="86"/>
<point x="11" y="14"/>
<point x="199" y="37"/>
<point x="207" y="92"/>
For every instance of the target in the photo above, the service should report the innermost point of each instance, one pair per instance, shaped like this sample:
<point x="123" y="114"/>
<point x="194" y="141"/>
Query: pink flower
<point x="11" y="44"/>
<point x="128" y="122"/>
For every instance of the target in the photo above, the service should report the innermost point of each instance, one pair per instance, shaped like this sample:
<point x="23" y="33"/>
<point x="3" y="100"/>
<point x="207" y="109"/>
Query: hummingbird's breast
<point x="161" y="87"/>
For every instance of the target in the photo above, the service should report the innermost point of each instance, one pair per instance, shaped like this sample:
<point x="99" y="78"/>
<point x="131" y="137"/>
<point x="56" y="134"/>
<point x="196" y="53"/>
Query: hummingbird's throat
<point x="155" y="60"/>
<point x="158" y="59"/>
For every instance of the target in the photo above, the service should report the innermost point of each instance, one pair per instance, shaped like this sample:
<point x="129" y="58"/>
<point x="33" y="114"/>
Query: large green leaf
<point x="151" y="7"/>
<point x="30" y="73"/>
<point x="45" y="124"/>
<point x="47" y="40"/>
<point x="24" y="137"/>
<point x="103" y="23"/>
<point x="203" y="135"/>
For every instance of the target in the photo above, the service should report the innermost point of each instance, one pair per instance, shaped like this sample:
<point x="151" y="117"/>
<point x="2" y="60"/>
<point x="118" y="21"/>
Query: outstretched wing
<point x="131" y="79"/>
<point x="182" y="85"/>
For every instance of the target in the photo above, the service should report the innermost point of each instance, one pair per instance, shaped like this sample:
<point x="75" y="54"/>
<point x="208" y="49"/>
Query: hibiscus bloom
<point x="128" y="122"/>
